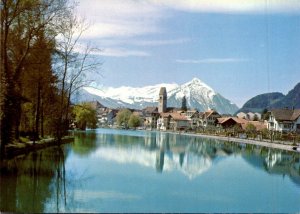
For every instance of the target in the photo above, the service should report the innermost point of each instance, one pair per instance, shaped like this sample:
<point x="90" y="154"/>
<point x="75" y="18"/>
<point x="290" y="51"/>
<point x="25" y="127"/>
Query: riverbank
<point x="287" y="146"/>
<point x="15" y="149"/>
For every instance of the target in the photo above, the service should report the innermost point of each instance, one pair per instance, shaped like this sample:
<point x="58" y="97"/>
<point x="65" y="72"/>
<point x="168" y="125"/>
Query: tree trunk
<point x="67" y="107"/>
<point x="37" y="112"/>
<point x="42" y="118"/>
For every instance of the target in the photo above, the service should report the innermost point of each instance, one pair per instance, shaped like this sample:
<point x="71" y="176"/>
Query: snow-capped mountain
<point x="198" y="95"/>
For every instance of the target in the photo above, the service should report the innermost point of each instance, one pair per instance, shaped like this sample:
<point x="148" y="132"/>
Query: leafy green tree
<point x="123" y="117"/>
<point x="134" y="121"/>
<point x="22" y="24"/>
<point x="85" y="116"/>
<point x="265" y="133"/>
<point x="250" y="129"/>
<point x="236" y="129"/>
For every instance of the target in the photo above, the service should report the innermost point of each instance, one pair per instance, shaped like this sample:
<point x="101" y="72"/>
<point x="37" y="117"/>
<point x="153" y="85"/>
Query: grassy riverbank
<point x="18" y="148"/>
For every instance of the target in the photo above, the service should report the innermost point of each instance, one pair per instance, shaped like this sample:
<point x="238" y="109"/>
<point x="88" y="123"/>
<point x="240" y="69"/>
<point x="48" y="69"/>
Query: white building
<point x="250" y="116"/>
<point x="242" y="115"/>
<point x="284" y="120"/>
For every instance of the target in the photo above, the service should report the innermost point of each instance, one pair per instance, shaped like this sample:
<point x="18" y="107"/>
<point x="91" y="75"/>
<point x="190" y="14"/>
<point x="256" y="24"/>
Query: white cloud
<point x="160" y="42"/>
<point x="135" y="42"/>
<point x="112" y="52"/>
<point x="127" y="18"/>
<point x="232" y="6"/>
<point x="118" y="29"/>
<point x="116" y="23"/>
<point x="211" y="60"/>
<point x="120" y="52"/>
<point x="120" y="18"/>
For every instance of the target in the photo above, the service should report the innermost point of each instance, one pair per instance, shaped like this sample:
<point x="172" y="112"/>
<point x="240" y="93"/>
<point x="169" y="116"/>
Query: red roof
<point x="175" y="116"/>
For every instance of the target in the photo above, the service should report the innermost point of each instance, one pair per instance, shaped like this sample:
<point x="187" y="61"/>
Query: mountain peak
<point x="198" y="95"/>
<point x="196" y="80"/>
<point x="197" y="83"/>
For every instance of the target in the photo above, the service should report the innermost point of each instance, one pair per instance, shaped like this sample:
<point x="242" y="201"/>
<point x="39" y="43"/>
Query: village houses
<point x="169" y="118"/>
<point x="284" y="120"/>
<point x="165" y="118"/>
<point x="249" y="116"/>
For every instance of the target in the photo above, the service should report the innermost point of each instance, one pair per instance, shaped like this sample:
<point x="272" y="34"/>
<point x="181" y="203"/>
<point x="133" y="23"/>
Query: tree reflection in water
<point x="29" y="182"/>
<point x="42" y="182"/>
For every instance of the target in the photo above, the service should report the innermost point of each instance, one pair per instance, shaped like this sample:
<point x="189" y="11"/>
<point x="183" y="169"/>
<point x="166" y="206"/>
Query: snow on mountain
<point x="193" y="164"/>
<point x="198" y="95"/>
<point x="131" y="95"/>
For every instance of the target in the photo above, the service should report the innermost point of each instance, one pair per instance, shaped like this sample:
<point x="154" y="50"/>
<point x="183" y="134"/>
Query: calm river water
<point x="108" y="170"/>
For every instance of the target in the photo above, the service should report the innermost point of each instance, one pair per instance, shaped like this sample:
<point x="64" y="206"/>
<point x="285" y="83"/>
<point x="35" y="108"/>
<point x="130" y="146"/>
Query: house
<point x="242" y="115"/>
<point x="172" y="121"/>
<point x="111" y="117"/>
<point x="150" y="115"/>
<point x="257" y="116"/>
<point x="178" y="122"/>
<point x="193" y="117"/>
<point x="230" y="122"/>
<point x="102" y="116"/>
<point x="226" y="122"/>
<point x="170" y="118"/>
<point x="284" y="120"/>
<point x="209" y="118"/>
<point x="163" y="122"/>
<point x="250" y="116"/>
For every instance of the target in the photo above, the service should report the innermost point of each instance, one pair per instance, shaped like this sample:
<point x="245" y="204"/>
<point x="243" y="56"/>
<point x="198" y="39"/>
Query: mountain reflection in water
<point x="192" y="155"/>
<point x="52" y="180"/>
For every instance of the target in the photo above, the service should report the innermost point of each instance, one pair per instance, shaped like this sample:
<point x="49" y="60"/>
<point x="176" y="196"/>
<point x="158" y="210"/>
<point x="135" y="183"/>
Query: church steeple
<point x="162" y="102"/>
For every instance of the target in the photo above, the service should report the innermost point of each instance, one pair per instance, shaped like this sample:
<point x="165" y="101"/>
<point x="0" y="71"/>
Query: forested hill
<point x="273" y="100"/>
<point x="292" y="99"/>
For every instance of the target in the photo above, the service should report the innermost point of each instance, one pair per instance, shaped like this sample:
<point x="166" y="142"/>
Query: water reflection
<point x="105" y="168"/>
<point x="29" y="182"/>
<point x="190" y="155"/>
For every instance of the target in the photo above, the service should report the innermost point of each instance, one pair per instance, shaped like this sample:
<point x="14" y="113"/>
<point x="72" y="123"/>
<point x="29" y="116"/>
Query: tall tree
<point x="21" y="22"/>
<point x="37" y="86"/>
<point x="183" y="104"/>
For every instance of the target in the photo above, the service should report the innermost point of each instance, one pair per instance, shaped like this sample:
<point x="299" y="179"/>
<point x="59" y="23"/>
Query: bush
<point x="250" y="130"/>
<point x="123" y="117"/>
<point x="134" y="121"/>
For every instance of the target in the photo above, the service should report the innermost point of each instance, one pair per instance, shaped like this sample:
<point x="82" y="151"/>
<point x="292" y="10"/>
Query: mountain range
<point x="273" y="100"/>
<point x="198" y="95"/>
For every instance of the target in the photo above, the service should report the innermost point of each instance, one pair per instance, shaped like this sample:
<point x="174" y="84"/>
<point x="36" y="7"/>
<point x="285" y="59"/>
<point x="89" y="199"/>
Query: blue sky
<point x="239" y="48"/>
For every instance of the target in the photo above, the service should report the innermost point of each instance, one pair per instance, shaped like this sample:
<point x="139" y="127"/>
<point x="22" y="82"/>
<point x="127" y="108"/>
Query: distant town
<point x="275" y="124"/>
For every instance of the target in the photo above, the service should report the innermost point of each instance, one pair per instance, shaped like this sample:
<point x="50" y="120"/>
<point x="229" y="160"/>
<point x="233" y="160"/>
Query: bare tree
<point x="74" y="60"/>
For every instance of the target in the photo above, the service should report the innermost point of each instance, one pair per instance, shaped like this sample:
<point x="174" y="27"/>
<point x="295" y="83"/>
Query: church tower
<point x="162" y="102"/>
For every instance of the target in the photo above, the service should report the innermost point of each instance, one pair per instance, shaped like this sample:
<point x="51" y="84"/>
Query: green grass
<point x="23" y="139"/>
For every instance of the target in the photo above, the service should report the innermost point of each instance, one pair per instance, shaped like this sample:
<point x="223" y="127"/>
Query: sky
<point x="239" y="48"/>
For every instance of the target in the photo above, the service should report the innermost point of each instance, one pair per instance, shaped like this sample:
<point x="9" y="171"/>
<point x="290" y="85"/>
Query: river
<point x="107" y="170"/>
